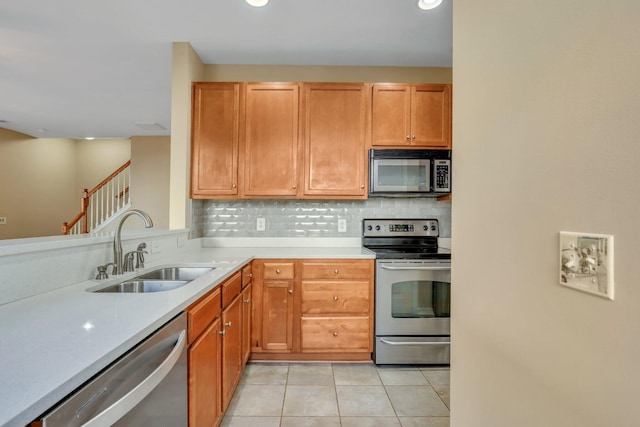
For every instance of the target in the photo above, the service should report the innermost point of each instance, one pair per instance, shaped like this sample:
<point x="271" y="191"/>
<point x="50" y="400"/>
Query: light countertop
<point x="53" y="342"/>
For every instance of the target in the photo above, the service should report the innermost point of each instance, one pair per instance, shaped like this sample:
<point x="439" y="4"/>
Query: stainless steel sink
<point x="160" y="280"/>
<point x="175" y="273"/>
<point x="144" y="286"/>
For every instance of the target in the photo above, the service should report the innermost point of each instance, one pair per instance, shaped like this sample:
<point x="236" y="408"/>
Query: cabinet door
<point x="335" y="134"/>
<point x="431" y="116"/>
<point x="214" y="152"/>
<point x="246" y="323"/>
<point x="231" y="349"/>
<point x="391" y="115"/>
<point x="271" y="139"/>
<point x="277" y="320"/>
<point x="204" y="378"/>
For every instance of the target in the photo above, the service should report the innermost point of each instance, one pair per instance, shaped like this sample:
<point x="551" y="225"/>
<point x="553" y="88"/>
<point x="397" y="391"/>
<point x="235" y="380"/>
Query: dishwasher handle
<point x="129" y="401"/>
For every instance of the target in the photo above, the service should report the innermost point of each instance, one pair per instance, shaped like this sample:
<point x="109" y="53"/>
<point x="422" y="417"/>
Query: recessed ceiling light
<point x="428" y="4"/>
<point x="257" y="3"/>
<point x="90" y="138"/>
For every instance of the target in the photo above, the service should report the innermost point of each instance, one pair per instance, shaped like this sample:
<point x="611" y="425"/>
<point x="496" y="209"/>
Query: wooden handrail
<point x="84" y="203"/>
<point x="107" y="179"/>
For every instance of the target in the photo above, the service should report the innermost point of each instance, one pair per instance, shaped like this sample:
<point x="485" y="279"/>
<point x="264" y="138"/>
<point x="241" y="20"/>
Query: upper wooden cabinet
<point x="411" y="115"/>
<point x="271" y="139"/>
<point x="215" y="139"/>
<point x="335" y="140"/>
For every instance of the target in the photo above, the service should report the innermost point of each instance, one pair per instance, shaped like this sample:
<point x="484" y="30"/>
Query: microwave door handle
<point x="434" y="268"/>
<point x="120" y="408"/>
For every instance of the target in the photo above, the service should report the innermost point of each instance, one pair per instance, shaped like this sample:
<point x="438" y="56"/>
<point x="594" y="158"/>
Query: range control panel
<point x="400" y="227"/>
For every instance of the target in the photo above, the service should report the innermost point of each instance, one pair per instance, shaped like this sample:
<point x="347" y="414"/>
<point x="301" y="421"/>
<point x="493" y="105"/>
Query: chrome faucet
<point x="117" y="240"/>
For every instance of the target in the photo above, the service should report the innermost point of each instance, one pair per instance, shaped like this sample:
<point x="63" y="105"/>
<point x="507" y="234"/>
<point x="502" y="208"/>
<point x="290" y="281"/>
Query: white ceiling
<point x="80" y="68"/>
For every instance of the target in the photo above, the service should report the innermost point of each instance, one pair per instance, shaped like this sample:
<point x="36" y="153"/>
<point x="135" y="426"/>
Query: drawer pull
<point x="335" y="334"/>
<point x="336" y="271"/>
<point x="277" y="271"/>
<point x="227" y="324"/>
<point x="223" y="332"/>
<point x="335" y="297"/>
<point x="290" y="291"/>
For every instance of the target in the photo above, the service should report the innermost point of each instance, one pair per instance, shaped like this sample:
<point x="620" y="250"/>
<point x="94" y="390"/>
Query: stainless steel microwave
<point x="407" y="173"/>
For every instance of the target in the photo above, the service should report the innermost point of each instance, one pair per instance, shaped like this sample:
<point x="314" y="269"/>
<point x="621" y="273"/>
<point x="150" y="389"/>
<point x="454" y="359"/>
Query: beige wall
<point x="150" y="159"/>
<point x="545" y="139"/>
<point x="45" y="177"/>
<point x="186" y="68"/>
<point x="98" y="158"/>
<point x="298" y="73"/>
<point x="38" y="184"/>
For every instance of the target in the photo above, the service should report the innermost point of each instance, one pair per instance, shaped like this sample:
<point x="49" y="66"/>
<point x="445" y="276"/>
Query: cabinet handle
<point x="362" y="186"/>
<point x="246" y="301"/>
<point x="233" y="186"/>
<point x="291" y="291"/>
<point x="294" y="187"/>
<point x="413" y="137"/>
<point x="335" y="297"/>
<point x="277" y="271"/>
<point x="336" y="271"/>
<point x="227" y="324"/>
<point x="335" y="334"/>
<point x="223" y="332"/>
<point x="250" y="275"/>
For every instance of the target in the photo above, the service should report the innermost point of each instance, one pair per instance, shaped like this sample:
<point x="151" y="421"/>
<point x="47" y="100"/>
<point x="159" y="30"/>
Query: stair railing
<point x="102" y="202"/>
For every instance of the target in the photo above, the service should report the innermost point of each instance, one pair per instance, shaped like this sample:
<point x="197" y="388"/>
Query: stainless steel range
<point x="412" y="288"/>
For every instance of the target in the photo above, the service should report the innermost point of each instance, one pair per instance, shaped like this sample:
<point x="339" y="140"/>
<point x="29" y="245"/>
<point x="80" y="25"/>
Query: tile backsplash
<point x="308" y="218"/>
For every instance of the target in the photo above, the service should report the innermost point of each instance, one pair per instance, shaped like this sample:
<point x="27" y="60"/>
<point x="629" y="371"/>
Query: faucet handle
<point x="128" y="261"/>
<point x="140" y="255"/>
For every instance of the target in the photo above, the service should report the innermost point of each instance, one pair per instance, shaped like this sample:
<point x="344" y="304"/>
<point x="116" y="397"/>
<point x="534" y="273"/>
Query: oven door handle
<point x="428" y="268"/>
<point x="382" y="340"/>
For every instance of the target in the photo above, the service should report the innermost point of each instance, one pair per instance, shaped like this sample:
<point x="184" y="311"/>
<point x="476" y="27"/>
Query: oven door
<point x="413" y="297"/>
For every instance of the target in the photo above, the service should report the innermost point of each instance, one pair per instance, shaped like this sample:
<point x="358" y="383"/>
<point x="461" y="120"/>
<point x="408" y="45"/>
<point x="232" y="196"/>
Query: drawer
<point x="361" y="269"/>
<point x="231" y="288"/>
<point x="336" y="334"/>
<point x="278" y="270"/>
<point x="246" y="275"/>
<point x="323" y="297"/>
<point x="201" y="313"/>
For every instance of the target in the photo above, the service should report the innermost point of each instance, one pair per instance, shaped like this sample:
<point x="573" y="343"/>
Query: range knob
<point x="377" y="228"/>
<point x="433" y="227"/>
<point x="425" y="227"/>
<point x="369" y="227"/>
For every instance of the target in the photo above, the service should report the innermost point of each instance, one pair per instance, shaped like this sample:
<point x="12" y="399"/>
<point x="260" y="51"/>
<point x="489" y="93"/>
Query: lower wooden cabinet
<point x="231" y="330"/>
<point x="204" y="378"/>
<point x="312" y="309"/>
<point x="215" y="358"/>
<point x="204" y="388"/>
<point x="246" y="323"/>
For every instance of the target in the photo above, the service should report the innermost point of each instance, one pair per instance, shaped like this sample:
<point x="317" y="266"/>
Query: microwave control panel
<point x="442" y="176"/>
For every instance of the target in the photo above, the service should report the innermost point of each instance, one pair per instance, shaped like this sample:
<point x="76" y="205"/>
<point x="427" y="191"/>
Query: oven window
<point x="420" y="298"/>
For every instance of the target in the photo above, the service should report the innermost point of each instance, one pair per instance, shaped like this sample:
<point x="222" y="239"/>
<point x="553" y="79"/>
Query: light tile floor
<point x="340" y="395"/>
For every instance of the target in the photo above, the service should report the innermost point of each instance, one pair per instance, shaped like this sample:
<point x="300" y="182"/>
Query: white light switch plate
<point x="3" y="220"/>
<point x="261" y="224"/>
<point x="342" y="225"/>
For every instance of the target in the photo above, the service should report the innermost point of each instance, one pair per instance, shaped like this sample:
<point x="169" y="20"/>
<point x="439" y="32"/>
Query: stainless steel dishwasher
<point x="145" y="387"/>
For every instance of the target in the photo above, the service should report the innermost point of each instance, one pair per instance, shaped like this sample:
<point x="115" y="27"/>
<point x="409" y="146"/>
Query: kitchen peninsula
<point x="56" y="335"/>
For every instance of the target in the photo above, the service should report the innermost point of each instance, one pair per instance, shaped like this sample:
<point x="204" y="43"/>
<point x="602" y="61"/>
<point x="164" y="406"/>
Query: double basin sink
<point x="160" y="280"/>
